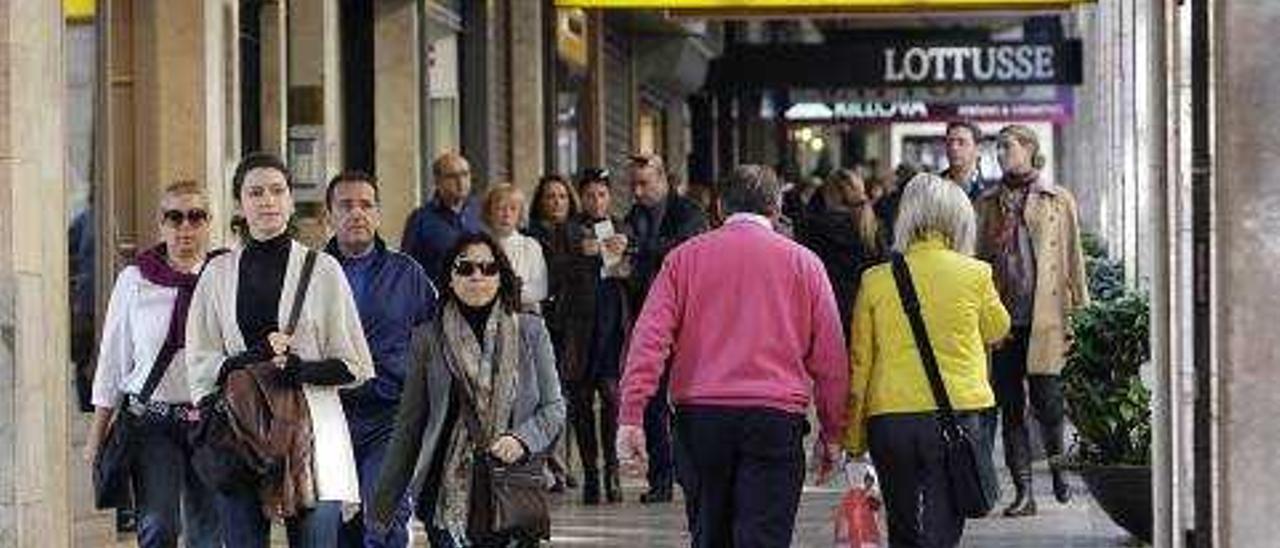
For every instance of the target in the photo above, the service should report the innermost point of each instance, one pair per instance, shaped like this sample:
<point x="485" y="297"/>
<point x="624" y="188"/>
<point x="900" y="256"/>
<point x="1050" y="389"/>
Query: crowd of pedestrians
<point x="687" y="337"/>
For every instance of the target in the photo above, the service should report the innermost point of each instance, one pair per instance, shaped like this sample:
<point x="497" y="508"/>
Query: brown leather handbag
<point x="507" y="500"/>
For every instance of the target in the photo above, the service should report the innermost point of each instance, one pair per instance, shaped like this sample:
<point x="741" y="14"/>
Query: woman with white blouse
<point x="238" y="314"/>
<point x="503" y="209"/>
<point x="144" y="329"/>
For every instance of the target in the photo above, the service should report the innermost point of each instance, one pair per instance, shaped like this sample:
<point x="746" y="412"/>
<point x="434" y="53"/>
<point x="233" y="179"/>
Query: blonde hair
<point x="183" y="187"/>
<point x="846" y="188"/>
<point x="497" y="194"/>
<point x="933" y="205"/>
<point x="1028" y="138"/>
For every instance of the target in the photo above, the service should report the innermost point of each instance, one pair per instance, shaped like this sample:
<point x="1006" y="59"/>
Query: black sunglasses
<point x="175" y="217"/>
<point x="466" y="268"/>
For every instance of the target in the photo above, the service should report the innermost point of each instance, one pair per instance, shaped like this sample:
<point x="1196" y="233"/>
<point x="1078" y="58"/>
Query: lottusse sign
<point x="973" y="65"/>
<point x="898" y="64"/>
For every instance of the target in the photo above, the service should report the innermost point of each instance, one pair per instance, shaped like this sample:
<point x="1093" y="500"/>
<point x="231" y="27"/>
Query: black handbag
<point x="113" y="463"/>
<point x="220" y="458"/>
<point x="970" y="470"/>
<point x="506" y="500"/>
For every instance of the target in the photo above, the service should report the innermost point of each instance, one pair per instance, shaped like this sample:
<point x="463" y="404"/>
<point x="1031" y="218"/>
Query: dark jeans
<point x="907" y="451"/>
<point x="171" y="500"/>
<point x="370" y="437"/>
<point x="657" y="438"/>
<point x="1011" y="383"/>
<point x="582" y="398"/>
<point x="244" y="526"/>
<point x="741" y="470"/>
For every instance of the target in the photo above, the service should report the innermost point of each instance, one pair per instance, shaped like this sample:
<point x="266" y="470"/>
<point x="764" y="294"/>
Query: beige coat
<point x="328" y="327"/>
<point x="1061" y="284"/>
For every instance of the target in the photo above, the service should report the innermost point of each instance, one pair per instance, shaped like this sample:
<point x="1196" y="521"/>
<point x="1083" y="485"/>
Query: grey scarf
<point x="488" y="371"/>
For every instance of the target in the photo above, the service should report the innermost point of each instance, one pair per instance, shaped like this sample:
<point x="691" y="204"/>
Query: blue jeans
<point x="171" y="500"/>
<point x="244" y="526"/>
<point x="369" y="438"/>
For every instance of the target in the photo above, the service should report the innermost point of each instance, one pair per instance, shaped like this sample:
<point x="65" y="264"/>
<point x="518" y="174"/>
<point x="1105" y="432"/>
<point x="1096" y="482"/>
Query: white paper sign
<point x="604" y="231"/>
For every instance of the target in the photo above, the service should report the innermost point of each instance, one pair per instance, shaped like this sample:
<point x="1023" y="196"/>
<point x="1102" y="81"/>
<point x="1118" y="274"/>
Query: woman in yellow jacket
<point x="892" y="410"/>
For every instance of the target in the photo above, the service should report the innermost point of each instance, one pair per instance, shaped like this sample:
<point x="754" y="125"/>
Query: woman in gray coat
<point x="480" y="344"/>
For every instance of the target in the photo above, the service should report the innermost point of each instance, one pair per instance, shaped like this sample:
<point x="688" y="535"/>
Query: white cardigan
<point x="328" y="327"/>
<point x="525" y="254"/>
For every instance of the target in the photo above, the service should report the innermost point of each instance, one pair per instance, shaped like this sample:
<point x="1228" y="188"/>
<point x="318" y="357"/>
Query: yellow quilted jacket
<point x="962" y="313"/>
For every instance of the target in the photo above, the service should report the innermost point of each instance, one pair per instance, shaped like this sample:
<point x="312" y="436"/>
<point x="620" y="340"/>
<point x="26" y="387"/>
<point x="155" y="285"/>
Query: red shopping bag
<point x="857" y="519"/>
<point x="858" y="522"/>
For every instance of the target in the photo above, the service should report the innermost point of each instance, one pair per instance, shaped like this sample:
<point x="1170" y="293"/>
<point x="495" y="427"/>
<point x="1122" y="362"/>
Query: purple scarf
<point x="156" y="269"/>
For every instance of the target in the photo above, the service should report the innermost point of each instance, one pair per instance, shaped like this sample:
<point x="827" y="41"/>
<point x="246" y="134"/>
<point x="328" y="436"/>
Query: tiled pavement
<point x="1077" y="525"/>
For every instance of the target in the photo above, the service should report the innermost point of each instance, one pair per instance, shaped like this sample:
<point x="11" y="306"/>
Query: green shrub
<point x="1106" y="399"/>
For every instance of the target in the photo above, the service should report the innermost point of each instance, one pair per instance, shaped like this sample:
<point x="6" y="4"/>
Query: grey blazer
<point x="538" y="412"/>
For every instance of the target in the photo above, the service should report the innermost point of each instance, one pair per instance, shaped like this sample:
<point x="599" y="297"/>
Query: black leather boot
<point x="590" y="487"/>
<point x="612" y="485"/>
<point x="1024" y="503"/>
<point x="1053" y="441"/>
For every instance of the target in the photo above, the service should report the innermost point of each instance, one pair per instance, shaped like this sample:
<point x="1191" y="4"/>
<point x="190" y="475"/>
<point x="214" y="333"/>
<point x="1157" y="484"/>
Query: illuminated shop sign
<point x="876" y="112"/>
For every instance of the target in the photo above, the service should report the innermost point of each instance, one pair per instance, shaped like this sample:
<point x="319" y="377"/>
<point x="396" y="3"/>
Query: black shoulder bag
<point x="114" y="460"/>
<point x="970" y="470"/>
<point x="221" y="459"/>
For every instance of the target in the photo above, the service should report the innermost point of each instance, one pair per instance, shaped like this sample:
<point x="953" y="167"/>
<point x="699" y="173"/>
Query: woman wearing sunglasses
<point x="481" y="381"/>
<point x="239" y="316"/>
<point x="144" y="328"/>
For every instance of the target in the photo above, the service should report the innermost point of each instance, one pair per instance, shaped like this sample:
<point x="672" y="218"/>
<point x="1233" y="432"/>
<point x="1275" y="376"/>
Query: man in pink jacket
<point x="747" y="320"/>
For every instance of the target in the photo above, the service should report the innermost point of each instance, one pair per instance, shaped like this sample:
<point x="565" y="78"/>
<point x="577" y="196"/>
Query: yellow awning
<point x="78" y="10"/>
<point x="851" y="5"/>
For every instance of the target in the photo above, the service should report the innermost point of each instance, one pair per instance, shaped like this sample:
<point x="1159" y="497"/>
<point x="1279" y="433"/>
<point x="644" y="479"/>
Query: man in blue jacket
<point x="393" y="295"/>
<point x="433" y="228"/>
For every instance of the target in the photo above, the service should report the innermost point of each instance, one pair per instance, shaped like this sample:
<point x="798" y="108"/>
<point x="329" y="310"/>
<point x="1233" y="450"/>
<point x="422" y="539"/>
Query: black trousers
<point x="1012" y="385"/>
<point x="657" y="438"/>
<point x="741" y="470"/>
<point x="907" y="451"/>
<point x="582" y="398"/>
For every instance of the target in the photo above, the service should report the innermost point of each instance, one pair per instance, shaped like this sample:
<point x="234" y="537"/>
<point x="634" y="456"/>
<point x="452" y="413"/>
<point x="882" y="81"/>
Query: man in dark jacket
<point x="393" y="295"/>
<point x="433" y="228"/>
<point x="963" y="152"/>
<point x="660" y="221"/>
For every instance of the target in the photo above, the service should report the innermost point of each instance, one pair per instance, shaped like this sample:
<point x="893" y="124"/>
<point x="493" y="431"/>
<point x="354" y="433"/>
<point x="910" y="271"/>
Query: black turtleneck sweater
<point x="477" y="318"/>
<point x="260" y="282"/>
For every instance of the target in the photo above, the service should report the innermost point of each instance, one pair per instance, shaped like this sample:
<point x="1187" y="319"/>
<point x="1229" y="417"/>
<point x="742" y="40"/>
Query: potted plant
<point x="1107" y="400"/>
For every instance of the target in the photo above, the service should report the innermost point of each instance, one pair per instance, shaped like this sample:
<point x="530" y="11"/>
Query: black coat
<point x="682" y="220"/>
<point x="834" y="238"/>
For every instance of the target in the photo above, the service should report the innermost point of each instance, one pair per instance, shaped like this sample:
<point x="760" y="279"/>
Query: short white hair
<point x="933" y="205"/>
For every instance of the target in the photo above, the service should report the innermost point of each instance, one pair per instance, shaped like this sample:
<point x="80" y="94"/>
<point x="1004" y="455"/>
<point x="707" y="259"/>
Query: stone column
<point x="35" y="499"/>
<point x="527" y="130"/>
<point x="397" y="103"/>
<point x="274" y="67"/>
<point x="1246" y="304"/>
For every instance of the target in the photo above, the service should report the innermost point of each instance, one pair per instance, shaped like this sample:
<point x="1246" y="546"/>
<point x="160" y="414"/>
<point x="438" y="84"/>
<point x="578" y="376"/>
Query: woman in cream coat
<point x="238" y="311"/>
